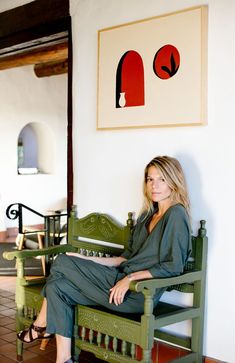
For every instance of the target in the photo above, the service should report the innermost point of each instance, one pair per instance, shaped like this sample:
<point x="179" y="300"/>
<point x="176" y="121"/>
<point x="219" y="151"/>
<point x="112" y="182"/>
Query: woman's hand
<point x="118" y="291"/>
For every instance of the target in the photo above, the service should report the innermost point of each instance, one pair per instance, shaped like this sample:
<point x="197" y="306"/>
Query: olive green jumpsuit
<point x="74" y="281"/>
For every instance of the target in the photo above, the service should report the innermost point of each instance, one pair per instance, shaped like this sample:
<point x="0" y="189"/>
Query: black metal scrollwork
<point x="13" y="213"/>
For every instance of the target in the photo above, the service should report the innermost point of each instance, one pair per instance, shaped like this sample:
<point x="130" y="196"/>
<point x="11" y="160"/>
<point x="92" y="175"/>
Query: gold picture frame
<point x="153" y="72"/>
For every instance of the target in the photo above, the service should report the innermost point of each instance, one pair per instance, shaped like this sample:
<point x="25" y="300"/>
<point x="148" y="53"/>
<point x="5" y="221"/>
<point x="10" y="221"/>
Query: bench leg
<point x="147" y="356"/>
<point x="76" y="356"/>
<point x="19" y="350"/>
<point x="75" y="351"/>
<point x="19" y="326"/>
<point x="197" y="338"/>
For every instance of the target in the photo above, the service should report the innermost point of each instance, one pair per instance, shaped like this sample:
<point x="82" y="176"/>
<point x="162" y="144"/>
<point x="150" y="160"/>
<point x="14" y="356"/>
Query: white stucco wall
<point x="42" y="101"/>
<point x="108" y="165"/>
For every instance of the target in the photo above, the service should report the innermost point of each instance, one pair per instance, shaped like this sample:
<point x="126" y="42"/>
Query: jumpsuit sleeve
<point x="175" y="245"/>
<point x="131" y="246"/>
<point x="127" y="253"/>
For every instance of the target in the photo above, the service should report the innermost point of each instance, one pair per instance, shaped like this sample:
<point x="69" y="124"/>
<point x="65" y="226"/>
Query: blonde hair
<point x="174" y="177"/>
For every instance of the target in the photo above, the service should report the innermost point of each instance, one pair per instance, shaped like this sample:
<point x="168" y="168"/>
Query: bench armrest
<point x="40" y="252"/>
<point x="153" y="284"/>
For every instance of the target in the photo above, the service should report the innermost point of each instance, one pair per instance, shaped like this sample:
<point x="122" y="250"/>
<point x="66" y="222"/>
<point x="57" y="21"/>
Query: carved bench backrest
<point x="99" y="234"/>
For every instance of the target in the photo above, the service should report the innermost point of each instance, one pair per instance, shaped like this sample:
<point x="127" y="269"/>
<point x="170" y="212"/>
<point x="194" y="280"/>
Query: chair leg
<point x="19" y="326"/>
<point x="43" y="260"/>
<point x="19" y="243"/>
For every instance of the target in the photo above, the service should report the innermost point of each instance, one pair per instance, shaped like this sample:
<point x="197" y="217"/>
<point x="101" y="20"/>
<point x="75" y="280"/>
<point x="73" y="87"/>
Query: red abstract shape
<point x="166" y="62"/>
<point x="130" y="80"/>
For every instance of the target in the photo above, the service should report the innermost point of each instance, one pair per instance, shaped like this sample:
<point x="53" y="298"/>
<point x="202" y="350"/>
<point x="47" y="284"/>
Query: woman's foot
<point x="33" y="333"/>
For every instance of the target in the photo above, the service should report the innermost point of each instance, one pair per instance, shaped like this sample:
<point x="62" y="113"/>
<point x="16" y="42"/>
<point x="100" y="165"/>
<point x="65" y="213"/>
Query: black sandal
<point x="40" y="330"/>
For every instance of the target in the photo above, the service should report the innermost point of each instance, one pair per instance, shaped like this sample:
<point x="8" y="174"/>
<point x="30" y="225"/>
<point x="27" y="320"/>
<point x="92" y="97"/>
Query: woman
<point x="159" y="247"/>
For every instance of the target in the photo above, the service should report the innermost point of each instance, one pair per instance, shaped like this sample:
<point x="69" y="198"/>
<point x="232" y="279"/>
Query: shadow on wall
<point x="200" y="209"/>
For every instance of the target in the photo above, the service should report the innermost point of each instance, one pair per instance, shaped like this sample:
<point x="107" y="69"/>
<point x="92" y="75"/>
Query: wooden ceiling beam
<point x="53" y="53"/>
<point x="51" y="68"/>
<point x="34" y="20"/>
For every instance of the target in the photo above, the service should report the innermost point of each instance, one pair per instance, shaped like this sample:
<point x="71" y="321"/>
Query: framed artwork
<point x="153" y="72"/>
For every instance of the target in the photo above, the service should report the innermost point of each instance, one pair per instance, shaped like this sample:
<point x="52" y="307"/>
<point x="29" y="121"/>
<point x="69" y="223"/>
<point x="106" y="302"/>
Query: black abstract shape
<point x="119" y="78"/>
<point x="171" y="72"/>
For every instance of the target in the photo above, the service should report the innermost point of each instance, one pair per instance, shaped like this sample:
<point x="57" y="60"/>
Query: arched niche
<point x="35" y="149"/>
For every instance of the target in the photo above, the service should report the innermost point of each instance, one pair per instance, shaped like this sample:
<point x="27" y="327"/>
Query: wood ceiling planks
<point x="35" y="33"/>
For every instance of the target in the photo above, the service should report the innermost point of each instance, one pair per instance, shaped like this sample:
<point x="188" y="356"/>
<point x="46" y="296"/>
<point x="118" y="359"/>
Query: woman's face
<point x="157" y="188"/>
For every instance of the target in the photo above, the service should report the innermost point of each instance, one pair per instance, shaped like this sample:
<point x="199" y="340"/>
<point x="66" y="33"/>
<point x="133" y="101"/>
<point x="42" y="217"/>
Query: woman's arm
<point x="118" y="291"/>
<point x="106" y="261"/>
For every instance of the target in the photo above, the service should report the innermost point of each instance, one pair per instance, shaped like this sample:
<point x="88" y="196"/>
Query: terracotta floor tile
<point x="38" y="359"/>
<point x="36" y="349"/>
<point x="10" y="337"/>
<point x="5" y="320"/>
<point x="51" y="356"/>
<point x="167" y="353"/>
<point x="7" y="293"/>
<point x="12" y="326"/>
<point x="9" y="350"/>
<point x="8" y="312"/>
<point x="5" y="300"/>
<point x="4" y="330"/>
<point x="2" y="342"/>
<point x="7" y="347"/>
<point x="3" y="307"/>
<point x="29" y="355"/>
<point x="6" y="360"/>
<point x="12" y="304"/>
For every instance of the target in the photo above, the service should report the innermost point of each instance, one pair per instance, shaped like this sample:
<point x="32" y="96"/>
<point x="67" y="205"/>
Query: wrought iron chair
<point x="51" y="232"/>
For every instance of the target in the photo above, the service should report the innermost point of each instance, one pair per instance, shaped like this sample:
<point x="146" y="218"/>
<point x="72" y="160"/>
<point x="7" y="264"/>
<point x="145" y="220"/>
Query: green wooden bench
<point x="120" y="337"/>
